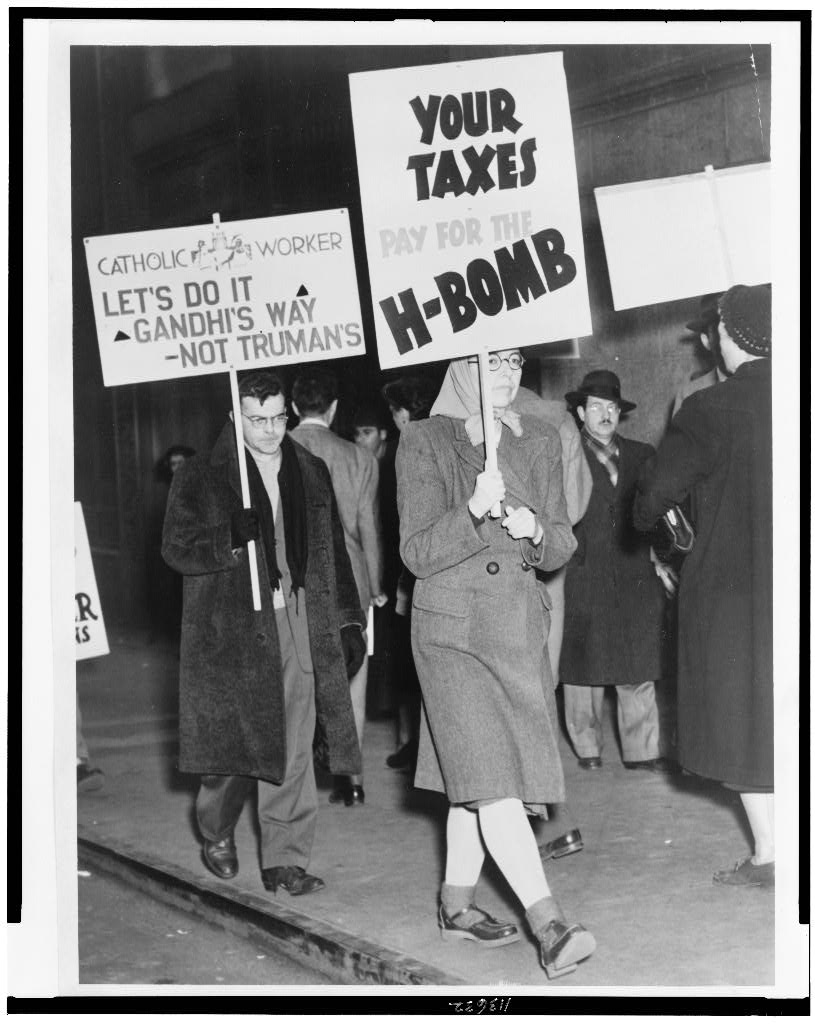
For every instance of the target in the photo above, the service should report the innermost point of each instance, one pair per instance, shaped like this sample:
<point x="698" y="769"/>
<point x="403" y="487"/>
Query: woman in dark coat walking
<point x="718" y="450"/>
<point x="489" y="735"/>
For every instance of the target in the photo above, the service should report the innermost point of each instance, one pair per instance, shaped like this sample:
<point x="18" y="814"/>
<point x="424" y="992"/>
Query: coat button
<point x="261" y="638"/>
<point x="492" y="568"/>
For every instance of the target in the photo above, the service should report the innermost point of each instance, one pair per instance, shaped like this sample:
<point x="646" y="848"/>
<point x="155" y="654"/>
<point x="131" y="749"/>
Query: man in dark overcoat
<point x="613" y="633"/>
<point x="255" y="684"/>
<point x="718" y="452"/>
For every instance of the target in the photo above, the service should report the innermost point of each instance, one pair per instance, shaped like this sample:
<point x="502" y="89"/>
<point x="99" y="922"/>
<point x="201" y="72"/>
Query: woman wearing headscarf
<point x="489" y="732"/>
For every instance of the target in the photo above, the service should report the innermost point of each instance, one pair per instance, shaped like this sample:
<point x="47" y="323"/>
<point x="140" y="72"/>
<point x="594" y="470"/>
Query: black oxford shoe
<point x="221" y="857"/>
<point x="591" y="764"/>
<point x="348" y="795"/>
<point x="486" y="931"/>
<point x="569" y="842"/>
<point x="296" y="881"/>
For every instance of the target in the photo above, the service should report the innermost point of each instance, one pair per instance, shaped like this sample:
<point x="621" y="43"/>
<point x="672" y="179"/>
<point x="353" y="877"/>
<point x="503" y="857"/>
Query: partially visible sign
<point x="89" y="626"/>
<point x="471" y="209"/>
<point x="673" y="238"/>
<point x="182" y="302"/>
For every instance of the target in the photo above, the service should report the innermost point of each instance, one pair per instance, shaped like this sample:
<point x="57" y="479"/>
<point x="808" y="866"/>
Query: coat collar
<point x="511" y="451"/>
<point x="225" y="453"/>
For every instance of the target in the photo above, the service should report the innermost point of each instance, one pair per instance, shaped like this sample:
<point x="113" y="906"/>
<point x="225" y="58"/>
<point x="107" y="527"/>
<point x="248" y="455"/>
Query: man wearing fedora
<point x="706" y="325"/>
<point x="614" y="602"/>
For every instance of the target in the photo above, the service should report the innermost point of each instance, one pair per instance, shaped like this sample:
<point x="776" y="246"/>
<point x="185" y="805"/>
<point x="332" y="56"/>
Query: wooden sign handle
<point x="251" y="549"/>
<point x="717" y="213"/>
<point x="490" y="452"/>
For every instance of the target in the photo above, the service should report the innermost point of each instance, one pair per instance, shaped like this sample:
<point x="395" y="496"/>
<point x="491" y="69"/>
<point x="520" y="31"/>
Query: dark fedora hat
<point x="708" y="313"/>
<point x="601" y="384"/>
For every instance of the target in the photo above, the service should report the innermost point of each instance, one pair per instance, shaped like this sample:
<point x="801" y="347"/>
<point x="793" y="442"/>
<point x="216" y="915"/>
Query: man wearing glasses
<point x="613" y="633"/>
<point x="255" y="684"/>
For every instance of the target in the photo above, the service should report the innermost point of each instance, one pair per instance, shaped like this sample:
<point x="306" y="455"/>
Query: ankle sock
<point x="539" y="914"/>
<point x="454" y="898"/>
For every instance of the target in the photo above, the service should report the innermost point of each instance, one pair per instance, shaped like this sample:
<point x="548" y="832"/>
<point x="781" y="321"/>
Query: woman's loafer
<point x="486" y="931"/>
<point x="563" y="946"/>
<point x="569" y="842"/>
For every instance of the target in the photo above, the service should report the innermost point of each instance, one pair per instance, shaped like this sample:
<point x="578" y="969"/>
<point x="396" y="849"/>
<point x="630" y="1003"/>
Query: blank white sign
<point x="673" y="238"/>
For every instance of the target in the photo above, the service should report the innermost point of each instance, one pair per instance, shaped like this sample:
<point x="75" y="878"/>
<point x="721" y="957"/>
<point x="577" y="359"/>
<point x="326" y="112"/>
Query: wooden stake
<point x="490" y="453"/>
<point x="717" y="213"/>
<point x="251" y="548"/>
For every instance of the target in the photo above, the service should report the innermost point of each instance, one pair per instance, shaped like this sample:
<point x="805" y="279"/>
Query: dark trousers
<point x="287" y="813"/>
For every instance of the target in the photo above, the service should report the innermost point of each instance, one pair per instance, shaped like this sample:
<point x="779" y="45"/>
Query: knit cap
<point x="747" y="316"/>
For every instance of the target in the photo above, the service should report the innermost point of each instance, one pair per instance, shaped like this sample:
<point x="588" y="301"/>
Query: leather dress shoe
<point x="348" y="795"/>
<point x="295" y="880"/>
<point x="405" y="757"/>
<point x="591" y="764"/>
<point x="486" y="931"/>
<point x="569" y="842"/>
<point x="654" y="764"/>
<point x="221" y="857"/>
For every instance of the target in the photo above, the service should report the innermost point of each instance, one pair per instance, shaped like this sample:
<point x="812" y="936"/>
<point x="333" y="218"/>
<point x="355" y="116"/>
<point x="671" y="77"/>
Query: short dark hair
<point x="412" y="393"/>
<point x="370" y="414"/>
<point x="313" y="392"/>
<point x="261" y="384"/>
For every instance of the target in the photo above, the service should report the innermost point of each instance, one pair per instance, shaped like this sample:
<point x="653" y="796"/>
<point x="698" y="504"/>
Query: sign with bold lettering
<point x="471" y="210"/>
<point x="245" y="294"/>
<point x="89" y="626"/>
<point x="673" y="238"/>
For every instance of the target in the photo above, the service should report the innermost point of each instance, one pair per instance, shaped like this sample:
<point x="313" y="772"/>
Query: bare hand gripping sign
<point x="471" y="209"/>
<point x="246" y="294"/>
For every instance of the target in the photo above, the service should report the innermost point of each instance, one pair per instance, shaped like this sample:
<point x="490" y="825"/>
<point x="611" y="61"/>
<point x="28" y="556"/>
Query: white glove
<point x="489" y="491"/>
<point x="521" y="522"/>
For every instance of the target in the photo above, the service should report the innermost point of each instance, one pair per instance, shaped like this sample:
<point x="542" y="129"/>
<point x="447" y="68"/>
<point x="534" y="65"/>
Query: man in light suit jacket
<point x="355" y="477"/>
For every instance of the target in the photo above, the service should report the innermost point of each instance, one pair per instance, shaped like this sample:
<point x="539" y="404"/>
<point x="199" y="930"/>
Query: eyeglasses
<point x="260" y="421"/>
<point x="603" y="406"/>
<point x="515" y="361"/>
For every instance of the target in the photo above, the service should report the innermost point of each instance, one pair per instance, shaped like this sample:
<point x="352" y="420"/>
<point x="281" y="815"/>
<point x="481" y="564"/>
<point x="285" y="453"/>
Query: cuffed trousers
<point x="287" y="813"/>
<point x="637" y="719"/>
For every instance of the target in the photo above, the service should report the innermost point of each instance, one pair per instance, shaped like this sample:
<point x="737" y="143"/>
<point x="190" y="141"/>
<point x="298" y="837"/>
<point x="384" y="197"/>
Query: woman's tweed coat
<point x="718" y="450"/>
<point x="480" y="615"/>
<point x="231" y="696"/>
<point x="614" y="632"/>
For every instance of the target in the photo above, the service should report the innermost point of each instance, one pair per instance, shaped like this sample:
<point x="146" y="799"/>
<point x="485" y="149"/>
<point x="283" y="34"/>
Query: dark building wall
<point x="163" y="137"/>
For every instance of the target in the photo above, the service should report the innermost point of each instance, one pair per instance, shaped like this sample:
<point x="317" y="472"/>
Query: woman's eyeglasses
<point x="515" y="361"/>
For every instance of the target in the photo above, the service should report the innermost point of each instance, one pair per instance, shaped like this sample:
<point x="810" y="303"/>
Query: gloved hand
<point x="489" y="490"/>
<point x="353" y="648"/>
<point x="245" y="526"/>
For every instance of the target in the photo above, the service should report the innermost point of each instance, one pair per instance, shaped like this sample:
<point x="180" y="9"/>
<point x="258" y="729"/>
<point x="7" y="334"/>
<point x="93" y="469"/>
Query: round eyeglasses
<point x="260" y="421"/>
<point x="515" y="361"/>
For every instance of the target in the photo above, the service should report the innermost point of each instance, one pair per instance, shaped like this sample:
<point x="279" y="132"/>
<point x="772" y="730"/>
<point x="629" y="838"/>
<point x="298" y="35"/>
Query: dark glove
<point x="245" y="527"/>
<point x="353" y="648"/>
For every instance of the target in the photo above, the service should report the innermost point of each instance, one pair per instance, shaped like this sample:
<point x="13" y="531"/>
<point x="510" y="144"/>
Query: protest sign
<point x="673" y="238"/>
<point x="470" y="205"/>
<point x="89" y="626"/>
<point x="182" y="302"/>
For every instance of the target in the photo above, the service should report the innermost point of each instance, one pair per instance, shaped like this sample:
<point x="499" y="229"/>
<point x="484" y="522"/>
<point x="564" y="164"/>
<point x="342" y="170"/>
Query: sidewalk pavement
<point x="642" y="884"/>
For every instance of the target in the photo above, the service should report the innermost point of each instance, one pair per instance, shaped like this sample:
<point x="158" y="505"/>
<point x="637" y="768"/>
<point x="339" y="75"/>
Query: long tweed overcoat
<point x="615" y="605"/>
<point x="231" y="694"/>
<point x="480" y="616"/>
<point x="718" y="450"/>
